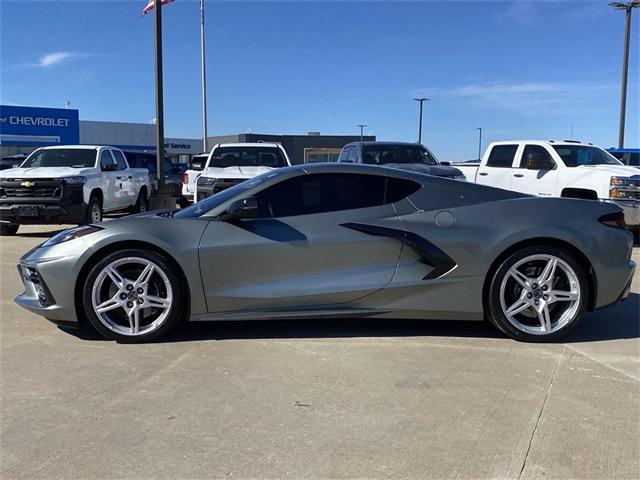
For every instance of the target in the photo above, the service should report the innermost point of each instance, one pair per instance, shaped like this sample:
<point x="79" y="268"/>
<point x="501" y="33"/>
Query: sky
<point x="518" y="69"/>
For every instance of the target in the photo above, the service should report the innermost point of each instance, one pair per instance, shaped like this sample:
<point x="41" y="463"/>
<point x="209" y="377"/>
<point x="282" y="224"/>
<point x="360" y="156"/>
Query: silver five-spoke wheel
<point x="132" y="296"/>
<point x="540" y="294"/>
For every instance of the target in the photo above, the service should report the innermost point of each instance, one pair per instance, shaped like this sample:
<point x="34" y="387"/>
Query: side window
<point x="397" y="189"/>
<point x="120" y="161"/>
<point x="501" y="156"/>
<point x="353" y="155"/>
<point x="536" y="157"/>
<point x="105" y="160"/>
<point x="319" y="193"/>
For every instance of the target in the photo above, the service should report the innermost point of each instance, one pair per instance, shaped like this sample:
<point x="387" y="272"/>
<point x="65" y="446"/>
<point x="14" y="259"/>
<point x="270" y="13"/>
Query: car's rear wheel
<point x="142" y="204"/>
<point x="538" y="294"/>
<point x="133" y="296"/>
<point x="8" y="229"/>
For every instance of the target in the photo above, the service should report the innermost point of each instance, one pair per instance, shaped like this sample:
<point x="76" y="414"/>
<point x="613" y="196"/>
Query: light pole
<point x="203" y="66"/>
<point x="361" y="125"/>
<point x="627" y="7"/>
<point x="479" y="143"/>
<point x="159" y="99"/>
<point x="421" y="100"/>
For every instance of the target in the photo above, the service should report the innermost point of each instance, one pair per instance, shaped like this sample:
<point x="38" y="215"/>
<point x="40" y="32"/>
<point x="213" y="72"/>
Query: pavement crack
<point x="542" y="407"/>
<point x="601" y="362"/>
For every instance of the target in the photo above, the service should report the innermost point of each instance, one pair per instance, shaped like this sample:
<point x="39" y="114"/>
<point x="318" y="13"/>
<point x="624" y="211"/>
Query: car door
<point x="299" y="252"/>
<point x="498" y="170"/>
<point x="536" y="173"/>
<point x="125" y="183"/>
<point x="109" y="173"/>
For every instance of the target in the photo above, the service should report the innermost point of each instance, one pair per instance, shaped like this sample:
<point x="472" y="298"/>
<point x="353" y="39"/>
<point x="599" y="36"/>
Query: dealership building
<point x="23" y="129"/>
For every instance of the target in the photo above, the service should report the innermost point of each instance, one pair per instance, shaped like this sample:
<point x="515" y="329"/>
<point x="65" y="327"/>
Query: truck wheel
<point x="538" y="294"/>
<point x="183" y="202"/>
<point x="94" y="211"/>
<point x="141" y="205"/>
<point x="8" y="229"/>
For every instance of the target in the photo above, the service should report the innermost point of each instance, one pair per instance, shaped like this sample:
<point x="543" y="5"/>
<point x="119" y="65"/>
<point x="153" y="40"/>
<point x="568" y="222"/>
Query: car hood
<point x="44" y="172"/>
<point x="235" y="172"/>
<point x="613" y="170"/>
<point x="436" y="170"/>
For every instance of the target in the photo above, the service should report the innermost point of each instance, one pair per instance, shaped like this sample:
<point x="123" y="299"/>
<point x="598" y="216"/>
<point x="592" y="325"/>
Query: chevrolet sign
<point x="35" y="126"/>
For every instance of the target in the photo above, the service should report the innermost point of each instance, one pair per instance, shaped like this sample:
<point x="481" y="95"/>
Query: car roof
<point x="548" y="142"/>
<point x="624" y="150"/>
<point x="383" y="143"/>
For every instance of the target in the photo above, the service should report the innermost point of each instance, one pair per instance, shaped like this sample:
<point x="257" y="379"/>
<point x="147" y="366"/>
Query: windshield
<point x="388" y="154"/>
<point x="578" y="155"/>
<point x="224" y="157"/>
<point x="209" y="203"/>
<point x="61" y="157"/>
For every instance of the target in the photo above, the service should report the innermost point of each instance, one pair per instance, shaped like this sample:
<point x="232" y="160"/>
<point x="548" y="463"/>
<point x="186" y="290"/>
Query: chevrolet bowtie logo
<point x="27" y="184"/>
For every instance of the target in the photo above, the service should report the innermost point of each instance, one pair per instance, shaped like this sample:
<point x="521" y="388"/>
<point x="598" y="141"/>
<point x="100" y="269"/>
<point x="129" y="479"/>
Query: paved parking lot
<point x="317" y="399"/>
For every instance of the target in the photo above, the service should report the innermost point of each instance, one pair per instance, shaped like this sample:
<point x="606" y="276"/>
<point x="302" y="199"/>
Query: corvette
<point x="329" y="240"/>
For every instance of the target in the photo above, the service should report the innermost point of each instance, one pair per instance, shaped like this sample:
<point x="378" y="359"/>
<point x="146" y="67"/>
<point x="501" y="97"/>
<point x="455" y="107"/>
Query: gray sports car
<point x="329" y="240"/>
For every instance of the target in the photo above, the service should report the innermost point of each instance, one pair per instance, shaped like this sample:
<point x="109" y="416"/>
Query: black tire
<point x="176" y="310"/>
<point x="497" y="315"/>
<point x="93" y="211"/>
<point x="183" y="202"/>
<point x="7" y="229"/>
<point x="142" y="203"/>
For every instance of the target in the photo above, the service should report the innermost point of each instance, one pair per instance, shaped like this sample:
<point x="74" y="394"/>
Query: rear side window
<point x="330" y="192"/>
<point x="501" y="156"/>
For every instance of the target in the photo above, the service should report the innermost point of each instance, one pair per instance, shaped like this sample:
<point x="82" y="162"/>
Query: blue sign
<point x="38" y="126"/>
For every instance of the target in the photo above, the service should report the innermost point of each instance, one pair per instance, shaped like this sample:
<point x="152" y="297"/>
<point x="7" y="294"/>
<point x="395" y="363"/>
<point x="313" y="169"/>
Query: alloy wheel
<point x="132" y="296"/>
<point x="540" y="294"/>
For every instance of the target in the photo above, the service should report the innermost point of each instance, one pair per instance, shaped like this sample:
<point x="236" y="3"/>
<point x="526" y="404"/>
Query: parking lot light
<point x="627" y="7"/>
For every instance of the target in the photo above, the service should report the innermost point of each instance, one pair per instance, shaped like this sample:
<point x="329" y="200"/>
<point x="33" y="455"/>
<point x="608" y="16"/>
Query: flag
<point x="150" y="6"/>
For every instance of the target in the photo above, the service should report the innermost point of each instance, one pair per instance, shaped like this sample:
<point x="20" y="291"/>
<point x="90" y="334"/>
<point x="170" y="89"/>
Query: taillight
<point x="615" y="220"/>
<point x="184" y="178"/>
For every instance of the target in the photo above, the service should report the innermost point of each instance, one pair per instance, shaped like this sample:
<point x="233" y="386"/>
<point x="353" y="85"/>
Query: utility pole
<point x="204" y="79"/>
<point x="159" y="98"/>
<point x="627" y="7"/>
<point x="479" y="143"/>
<point x="362" y="125"/>
<point x="421" y="100"/>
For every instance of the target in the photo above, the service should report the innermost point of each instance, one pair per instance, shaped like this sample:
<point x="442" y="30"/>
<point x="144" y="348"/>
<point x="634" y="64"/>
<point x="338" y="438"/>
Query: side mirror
<point x="197" y="165"/>
<point x="446" y="164"/>
<point x="242" y="209"/>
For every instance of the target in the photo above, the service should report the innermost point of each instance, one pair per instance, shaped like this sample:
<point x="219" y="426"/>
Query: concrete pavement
<point x="317" y="399"/>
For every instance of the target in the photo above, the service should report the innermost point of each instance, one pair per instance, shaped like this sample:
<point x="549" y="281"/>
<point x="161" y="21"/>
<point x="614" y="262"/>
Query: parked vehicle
<point x="232" y="163"/>
<point x="559" y="169"/>
<point x="70" y="184"/>
<point x="326" y="240"/>
<point x="628" y="156"/>
<point x="189" y="178"/>
<point x="172" y="173"/>
<point x="11" y="161"/>
<point x="406" y="156"/>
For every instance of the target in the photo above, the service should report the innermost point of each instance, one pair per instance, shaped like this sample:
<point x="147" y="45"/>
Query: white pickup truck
<point x="559" y="169"/>
<point x="70" y="184"/>
<point x="232" y="163"/>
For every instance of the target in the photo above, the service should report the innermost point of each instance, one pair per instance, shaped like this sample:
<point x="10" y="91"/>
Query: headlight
<point x="206" y="181"/>
<point x="620" y="181"/>
<point x="71" y="234"/>
<point x="79" y="180"/>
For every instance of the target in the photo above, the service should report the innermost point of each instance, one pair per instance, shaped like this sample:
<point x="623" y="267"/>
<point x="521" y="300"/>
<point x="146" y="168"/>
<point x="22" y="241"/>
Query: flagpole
<point x="204" y="79"/>
<point x="159" y="98"/>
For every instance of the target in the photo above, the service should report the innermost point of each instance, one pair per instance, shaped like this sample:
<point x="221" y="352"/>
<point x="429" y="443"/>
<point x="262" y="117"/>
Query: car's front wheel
<point x="133" y="296"/>
<point x="538" y="294"/>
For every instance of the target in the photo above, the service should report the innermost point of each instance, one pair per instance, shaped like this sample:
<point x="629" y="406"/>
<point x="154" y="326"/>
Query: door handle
<point x="119" y="178"/>
<point x="519" y="175"/>
<point x="484" y="174"/>
<point x="130" y="177"/>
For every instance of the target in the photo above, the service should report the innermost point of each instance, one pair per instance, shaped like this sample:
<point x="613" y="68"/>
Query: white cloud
<point x="53" y="59"/>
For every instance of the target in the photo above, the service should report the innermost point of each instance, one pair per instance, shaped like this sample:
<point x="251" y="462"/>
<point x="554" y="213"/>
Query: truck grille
<point x="224" y="183"/>
<point x="30" y="189"/>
